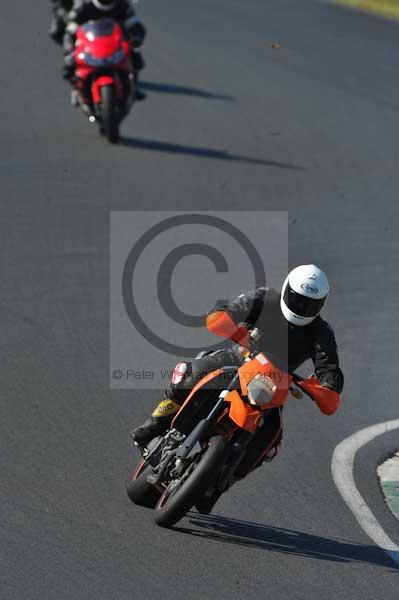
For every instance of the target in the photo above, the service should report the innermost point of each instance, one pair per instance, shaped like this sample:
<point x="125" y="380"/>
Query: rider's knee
<point x="137" y="33"/>
<point x="180" y="382"/>
<point x="271" y="452"/>
<point x="185" y="377"/>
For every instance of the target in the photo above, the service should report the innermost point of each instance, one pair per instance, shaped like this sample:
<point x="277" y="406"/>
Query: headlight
<point x="261" y="390"/>
<point x="108" y="61"/>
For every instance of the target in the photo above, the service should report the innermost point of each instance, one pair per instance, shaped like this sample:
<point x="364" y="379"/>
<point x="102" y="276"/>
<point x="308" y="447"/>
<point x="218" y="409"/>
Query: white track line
<point x="342" y="472"/>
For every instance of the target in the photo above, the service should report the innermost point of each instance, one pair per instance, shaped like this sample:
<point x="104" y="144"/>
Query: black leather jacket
<point x="290" y="344"/>
<point x="61" y="8"/>
<point x="84" y="10"/>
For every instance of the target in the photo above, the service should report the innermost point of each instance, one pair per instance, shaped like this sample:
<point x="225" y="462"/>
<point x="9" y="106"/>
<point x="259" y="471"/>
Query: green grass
<point x="385" y="8"/>
<point x="391" y="492"/>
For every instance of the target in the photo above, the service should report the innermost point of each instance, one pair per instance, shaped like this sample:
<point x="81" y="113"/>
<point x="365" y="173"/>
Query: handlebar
<point x="296" y="378"/>
<point x="254" y="336"/>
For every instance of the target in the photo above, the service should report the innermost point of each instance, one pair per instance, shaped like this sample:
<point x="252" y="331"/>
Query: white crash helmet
<point x="303" y="295"/>
<point x="104" y="5"/>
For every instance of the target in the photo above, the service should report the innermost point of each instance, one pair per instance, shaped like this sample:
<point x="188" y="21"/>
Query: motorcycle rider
<point x="60" y="9"/>
<point x="91" y="10"/>
<point x="293" y="331"/>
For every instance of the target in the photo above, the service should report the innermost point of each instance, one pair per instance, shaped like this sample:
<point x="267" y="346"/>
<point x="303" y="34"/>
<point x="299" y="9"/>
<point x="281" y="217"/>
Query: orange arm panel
<point x="220" y="323"/>
<point x="327" y="400"/>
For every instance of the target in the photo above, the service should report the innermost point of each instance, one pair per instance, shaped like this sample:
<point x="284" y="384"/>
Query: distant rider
<point x="91" y="10"/>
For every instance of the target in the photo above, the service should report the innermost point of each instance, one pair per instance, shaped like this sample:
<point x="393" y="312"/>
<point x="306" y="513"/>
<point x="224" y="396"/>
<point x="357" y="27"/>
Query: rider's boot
<point x="157" y="424"/>
<point x="207" y="502"/>
<point x="140" y="95"/>
<point x="138" y="65"/>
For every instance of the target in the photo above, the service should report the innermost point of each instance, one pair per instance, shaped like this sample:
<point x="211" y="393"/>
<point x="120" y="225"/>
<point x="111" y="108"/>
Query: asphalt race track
<point x="230" y="123"/>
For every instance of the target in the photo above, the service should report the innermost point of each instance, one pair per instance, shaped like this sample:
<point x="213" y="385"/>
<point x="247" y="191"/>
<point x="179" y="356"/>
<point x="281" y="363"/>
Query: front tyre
<point x="139" y="491"/>
<point x="109" y="114"/>
<point x="179" y="497"/>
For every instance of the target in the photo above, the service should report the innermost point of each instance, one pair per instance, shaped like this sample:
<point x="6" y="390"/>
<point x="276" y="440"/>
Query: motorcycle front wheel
<point x="181" y="495"/>
<point x="109" y="114"/>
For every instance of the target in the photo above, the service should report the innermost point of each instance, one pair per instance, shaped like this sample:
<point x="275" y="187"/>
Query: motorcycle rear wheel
<point x="173" y="505"/>
<point x="109" y="114"/>
<point x="139" y="491"/>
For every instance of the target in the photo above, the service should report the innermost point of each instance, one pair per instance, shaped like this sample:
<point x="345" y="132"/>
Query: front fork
<point x="191" y="446"/>
<point x="201" y="431"/>
<point x="126" y="86"/>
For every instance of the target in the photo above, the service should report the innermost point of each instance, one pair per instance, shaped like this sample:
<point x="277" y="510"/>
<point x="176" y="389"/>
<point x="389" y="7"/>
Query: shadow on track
<point x="286" y="541"/>
<point x="167" y="88"/>
<point x="169" y="148"/>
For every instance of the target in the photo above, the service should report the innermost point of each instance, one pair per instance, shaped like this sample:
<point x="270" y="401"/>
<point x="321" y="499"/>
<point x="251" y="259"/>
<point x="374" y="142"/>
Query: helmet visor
<point x="302" y="305"/>
<point x="104" y="4"/>
<point x="100" y="28"/>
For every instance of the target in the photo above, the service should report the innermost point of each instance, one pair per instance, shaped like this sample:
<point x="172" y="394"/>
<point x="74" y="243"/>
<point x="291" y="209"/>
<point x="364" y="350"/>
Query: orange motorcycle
<point x="187" y="465"/>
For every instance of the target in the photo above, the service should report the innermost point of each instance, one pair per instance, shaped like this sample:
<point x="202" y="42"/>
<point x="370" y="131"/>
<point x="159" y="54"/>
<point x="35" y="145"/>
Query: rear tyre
<point x="109" y="114"/>
<point x="176" y="502"/>
<point x="139" y="491"/>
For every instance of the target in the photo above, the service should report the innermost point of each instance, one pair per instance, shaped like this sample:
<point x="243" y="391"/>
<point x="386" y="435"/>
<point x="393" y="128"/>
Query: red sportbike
<point x="104" y="76"/>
